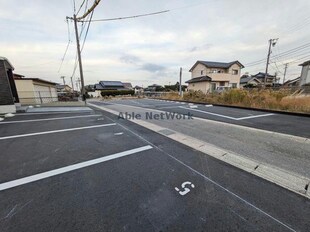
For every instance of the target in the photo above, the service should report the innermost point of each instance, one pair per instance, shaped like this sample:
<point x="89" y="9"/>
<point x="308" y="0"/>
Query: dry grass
<point x="262" y="99"/>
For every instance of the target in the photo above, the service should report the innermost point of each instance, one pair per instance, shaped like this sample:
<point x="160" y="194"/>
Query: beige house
<point x="35" y="90"/>
<point x="207" y="76"/>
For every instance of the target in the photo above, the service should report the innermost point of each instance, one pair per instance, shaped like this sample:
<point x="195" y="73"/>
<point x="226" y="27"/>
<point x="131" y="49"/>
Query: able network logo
<point x="155" y="116"/>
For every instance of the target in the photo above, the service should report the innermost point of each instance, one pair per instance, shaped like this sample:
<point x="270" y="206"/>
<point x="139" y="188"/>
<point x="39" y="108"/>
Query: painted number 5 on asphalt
<point x="184" y="190"/>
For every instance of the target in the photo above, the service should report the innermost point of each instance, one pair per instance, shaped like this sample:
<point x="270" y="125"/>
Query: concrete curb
<point x="241" y="107"/>
<point x="291" y="181"/>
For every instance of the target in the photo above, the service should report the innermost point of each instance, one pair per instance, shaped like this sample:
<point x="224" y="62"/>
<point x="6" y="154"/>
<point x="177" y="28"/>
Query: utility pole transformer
<point x="272" y="42"/>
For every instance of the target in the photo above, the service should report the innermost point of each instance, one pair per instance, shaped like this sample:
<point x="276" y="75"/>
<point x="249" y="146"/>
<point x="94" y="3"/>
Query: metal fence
<point x="43" y="97"/>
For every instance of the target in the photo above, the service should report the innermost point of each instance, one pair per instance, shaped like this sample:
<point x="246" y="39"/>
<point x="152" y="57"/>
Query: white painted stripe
<point x="205" y="112"/>
<point x="60" y="112"/>
<point x="169" y="107"/>
<point x="56" y="131"/>
<point x="50" y="119"/>
<point x="43" y="175"/>
<point x="120" y="133"/>
<point x="255" y="116"/>
<point x="193" y="106"/>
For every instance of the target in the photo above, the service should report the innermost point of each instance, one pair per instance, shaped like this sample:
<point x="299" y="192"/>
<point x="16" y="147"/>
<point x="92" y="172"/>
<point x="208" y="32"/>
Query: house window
<point x="201" y="72"/>
<point x="213" y="86"/>
<point x="222" y="83"/>
<point x="235" y="72"/>
<point x="234" y="85"/>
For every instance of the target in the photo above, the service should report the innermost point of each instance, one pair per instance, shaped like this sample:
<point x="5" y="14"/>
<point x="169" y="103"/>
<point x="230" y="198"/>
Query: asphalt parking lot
<point x="282" y="123"/>
<point x="90" y="171"/>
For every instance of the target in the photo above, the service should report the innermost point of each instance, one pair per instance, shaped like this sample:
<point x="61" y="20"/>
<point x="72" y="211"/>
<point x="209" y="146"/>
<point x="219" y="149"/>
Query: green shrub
<point x="116" y="92"/>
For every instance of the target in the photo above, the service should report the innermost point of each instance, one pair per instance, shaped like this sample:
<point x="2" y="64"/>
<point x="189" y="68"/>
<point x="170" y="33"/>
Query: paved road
<point x="91" y="171"/>
<point x="288" y="124"/>
<point x="279" y="150"/>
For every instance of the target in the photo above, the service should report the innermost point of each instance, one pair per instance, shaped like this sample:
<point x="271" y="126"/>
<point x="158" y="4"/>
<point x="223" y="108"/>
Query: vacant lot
<point x="262" y="99"/>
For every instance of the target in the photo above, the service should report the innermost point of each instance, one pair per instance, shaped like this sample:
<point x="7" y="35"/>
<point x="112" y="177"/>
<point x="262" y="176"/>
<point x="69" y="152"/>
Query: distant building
<point x="109" y="85"/>
<point x="208" y="75"/>
<point x="64" y="88"/>
<point x="305" y="73"/>
<point x="249" y="81"/>
<point x="127" y="85"/>
<point x="35" y="90"/>
<point x="138" y="89"/>
<point x="270" y="80"/>
<point x="154" y="88"/>
<point x="292" y="83"/>
<point x="8" y="93"/>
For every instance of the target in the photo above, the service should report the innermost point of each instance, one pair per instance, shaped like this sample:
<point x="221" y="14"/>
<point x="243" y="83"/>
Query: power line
<point x="67" y="47"/>
<point x="127" y="17"/>
<point x="80" y="36"/>
<point x="89" y="10"/>
<point x="74" y="8"/>
<point x="80" y="7"/>
<point x="91" y="16"/>
<point x="283" y="54"/>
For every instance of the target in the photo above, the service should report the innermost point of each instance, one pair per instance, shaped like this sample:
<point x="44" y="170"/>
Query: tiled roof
<point x="199" y="79"/>
<point x="212" y="64"/>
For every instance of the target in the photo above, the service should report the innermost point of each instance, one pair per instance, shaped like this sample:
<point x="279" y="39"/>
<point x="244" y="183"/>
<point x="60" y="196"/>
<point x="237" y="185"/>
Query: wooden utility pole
<point x="79" y="57"/>
<point x="272" y="42"/>
<point x="180" y="83"/>
<point x="76" y="19"/>
<point x="285" y="69"/>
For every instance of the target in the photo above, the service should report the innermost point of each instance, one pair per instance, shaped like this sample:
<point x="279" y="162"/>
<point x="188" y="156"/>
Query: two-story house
<point x="208" y="75"/>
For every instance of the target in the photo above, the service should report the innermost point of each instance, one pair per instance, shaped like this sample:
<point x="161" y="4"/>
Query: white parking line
<point x="168" y="107"/>
<point x="43" y="175"/>
<point x="55" y="131"/>
<point x="254" y="116"/>
<point x="120" y="133"/>
<point x="225" y="116"/>
<point x="50" y="119"/>
<point x="60" y="112"/>
<point x="205" y="112"/>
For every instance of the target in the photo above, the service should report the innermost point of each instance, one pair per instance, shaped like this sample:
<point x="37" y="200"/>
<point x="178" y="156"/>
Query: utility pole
<point x="180" y="83"/>
<point x="79" y="83"/>
<point x="79" y="57"/>
<point x="76" y="19"/>
<point x="285" y="69"/>
<point x="63" y="79"/>
<point x="72" y="83"/>
<point x="272" y="42"/>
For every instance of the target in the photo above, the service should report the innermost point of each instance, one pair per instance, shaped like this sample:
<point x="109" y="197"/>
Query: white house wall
<point x="305" y="75"/>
